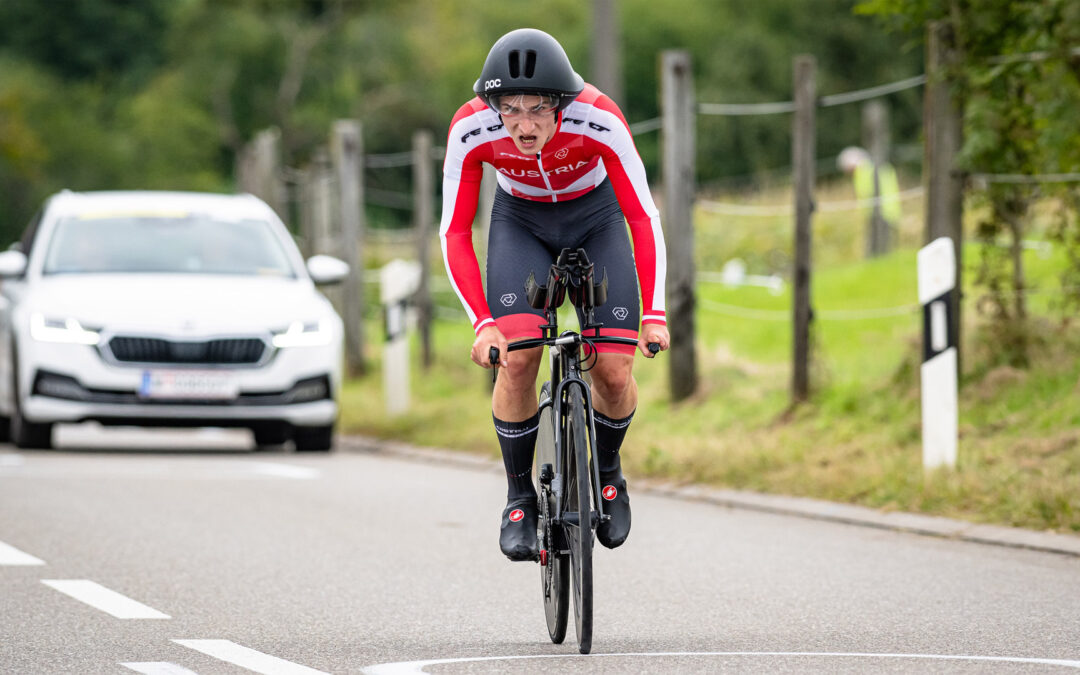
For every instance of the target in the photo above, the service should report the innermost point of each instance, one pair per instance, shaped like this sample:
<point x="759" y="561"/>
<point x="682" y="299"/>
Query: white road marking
<point x="108" y="601"/>
<point x="414" y="667"/>
<point x="158" y="668"/>
<point x="245" y="657"/>
<point x="286" y="470"/>
<point x="9" y="555"/>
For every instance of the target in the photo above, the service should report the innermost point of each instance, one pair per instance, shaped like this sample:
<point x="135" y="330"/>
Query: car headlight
<point x="304" y="334"/>
<point x="67" y="330"/>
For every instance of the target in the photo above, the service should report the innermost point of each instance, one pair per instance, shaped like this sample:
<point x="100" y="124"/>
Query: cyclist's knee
<point x="521" y="373"/>
<point x="612" y="376"/>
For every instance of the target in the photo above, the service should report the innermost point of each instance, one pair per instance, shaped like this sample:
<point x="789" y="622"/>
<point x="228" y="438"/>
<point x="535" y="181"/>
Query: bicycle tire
<point x="555" y="575"/>
<point x="579" y="535"/>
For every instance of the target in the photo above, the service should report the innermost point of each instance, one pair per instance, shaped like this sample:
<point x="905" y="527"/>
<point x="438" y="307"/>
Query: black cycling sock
<point x="518" y="441"/>
<point x="609" y="438"/>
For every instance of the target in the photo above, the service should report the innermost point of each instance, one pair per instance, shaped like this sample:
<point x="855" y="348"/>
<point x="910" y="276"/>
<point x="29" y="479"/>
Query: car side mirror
<point x="12" y="264"/>
<point x="325" y="269"/>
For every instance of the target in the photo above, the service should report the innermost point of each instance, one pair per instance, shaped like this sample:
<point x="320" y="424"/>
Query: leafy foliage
<point x="162" y="93"/>
<point x="1016" y="75"/>
<point x="84" y="40"/>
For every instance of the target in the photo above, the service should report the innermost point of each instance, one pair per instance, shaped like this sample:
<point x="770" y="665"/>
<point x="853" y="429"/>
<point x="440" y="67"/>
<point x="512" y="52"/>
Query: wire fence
<point x="755" y="314"/>
<point x="775" y="210"/>
<point x="1025" y="179"/>
<point x="396" y="199"/>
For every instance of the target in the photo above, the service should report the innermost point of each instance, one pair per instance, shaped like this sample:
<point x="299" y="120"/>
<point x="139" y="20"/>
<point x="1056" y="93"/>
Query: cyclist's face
<point x="529" y="119"/>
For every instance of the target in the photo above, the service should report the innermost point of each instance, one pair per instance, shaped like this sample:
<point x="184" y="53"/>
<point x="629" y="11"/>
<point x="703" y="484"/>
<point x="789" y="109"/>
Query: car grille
<point x="230" y="351"/>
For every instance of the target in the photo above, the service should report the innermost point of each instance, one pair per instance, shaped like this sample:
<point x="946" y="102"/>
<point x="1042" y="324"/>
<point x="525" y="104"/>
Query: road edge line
<point x="803" y="507"/>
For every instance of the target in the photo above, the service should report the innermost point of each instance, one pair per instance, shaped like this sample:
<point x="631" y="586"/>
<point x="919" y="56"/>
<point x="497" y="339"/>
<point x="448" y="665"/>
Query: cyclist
<point x="568" y="173"/>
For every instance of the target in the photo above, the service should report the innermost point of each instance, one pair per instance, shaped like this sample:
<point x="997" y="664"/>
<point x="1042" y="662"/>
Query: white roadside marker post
<point x="937" y="294"/>
<point x="399" y="279"/>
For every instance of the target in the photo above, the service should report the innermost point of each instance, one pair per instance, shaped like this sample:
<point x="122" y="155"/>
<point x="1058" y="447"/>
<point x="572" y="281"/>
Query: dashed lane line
<point x="9" y="555"/>
<point x="179" y="468"/>
<point x="245" y="657"/>
<point x="104" y="599"/>
<point x="158" y="668"/>
<point x="286" y="470"/>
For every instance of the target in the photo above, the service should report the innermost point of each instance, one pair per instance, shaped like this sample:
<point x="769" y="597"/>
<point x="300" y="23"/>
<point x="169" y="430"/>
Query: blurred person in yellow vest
<point x="856" y="162"/>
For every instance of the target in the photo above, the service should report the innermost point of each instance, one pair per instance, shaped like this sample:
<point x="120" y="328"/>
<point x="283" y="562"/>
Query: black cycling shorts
<point x="526" y="237"/>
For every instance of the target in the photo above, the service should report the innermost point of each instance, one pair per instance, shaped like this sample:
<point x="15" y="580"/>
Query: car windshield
<point x="163" y="244"/>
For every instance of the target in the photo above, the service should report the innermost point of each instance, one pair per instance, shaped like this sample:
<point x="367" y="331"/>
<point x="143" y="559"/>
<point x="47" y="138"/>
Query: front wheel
<point x="270" y="435"/>
<point x="26" y="434"/>
<point x="23" y="432"/>
<point x="578" y="507"/>
<point x="555" y="567"/>
<point x="314" y="439"/>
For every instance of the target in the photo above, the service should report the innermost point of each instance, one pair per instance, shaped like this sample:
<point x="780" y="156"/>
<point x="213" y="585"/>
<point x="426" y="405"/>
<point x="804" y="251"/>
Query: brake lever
<point x="493" y="359"/>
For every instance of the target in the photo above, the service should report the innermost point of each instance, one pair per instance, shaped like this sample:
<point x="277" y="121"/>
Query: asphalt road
<point x="232" y="562"/>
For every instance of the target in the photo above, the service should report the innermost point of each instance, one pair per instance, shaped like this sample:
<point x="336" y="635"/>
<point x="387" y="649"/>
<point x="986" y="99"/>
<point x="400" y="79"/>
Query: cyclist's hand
<point x="650" y="333"/>
<point x="490" y="336"/>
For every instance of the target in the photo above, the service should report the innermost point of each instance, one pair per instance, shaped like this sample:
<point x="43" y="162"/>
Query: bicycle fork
<point x="597" y="511"/>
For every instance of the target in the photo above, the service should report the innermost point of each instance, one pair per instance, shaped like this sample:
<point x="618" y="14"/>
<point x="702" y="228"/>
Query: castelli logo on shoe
<point x="516" y="515"/>
<point x="610" y="492"/>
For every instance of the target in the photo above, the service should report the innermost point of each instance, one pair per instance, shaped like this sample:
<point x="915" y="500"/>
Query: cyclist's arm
<point x="627" y="173"/>
<point x="462" y="173"/>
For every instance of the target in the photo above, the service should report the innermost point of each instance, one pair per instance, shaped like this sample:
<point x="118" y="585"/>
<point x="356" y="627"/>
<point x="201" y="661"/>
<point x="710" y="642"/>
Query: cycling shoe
<point x="517" y="536"/>
<point x="616" y="501"/>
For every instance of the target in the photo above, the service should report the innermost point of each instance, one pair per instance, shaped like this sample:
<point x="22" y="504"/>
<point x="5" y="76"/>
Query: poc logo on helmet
<point x="489" y="84"/>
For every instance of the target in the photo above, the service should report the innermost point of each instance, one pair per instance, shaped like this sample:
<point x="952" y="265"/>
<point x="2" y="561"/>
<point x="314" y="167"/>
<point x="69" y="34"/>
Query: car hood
<point x="184" y="304"/>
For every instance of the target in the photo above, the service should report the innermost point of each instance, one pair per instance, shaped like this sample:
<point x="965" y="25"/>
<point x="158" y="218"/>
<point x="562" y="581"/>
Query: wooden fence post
<point x="943" y="134"/>
<point x="606" y="57"/>
<point x="875" y="132"/>
<point x="319" y="210"/>
<point x="803" y="159"/>
<point x="677" y="141"/>
<point x="265" y="165"/>
<point x="303" y="211"/>
<point x="423" y="220"/>
<point x="245" y="169"/>
<point x="348" y="152"/>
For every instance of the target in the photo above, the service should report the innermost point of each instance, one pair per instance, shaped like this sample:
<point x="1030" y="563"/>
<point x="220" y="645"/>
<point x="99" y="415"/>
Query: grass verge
<point x="857" y="441"/>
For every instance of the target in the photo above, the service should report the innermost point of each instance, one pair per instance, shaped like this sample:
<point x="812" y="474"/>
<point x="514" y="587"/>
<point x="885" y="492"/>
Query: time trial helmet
<point x="528" y="61"/>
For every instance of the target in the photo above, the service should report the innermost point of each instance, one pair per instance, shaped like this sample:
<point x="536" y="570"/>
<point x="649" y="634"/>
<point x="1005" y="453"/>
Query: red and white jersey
<point x="592" y="142"/>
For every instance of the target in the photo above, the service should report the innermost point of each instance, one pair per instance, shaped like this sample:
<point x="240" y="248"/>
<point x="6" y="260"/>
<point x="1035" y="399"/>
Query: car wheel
<point x="270" y="435"/>
<point x="25" y="434"/>
<point x="314" y="439"/>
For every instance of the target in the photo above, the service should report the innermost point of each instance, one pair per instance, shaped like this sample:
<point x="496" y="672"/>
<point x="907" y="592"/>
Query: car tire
<point x="31" y="435"/>
<point x="314" y="439"/>
<point x="5" y="429"/>
<point x="22" y="432"/>
<point x="270" y="435"/>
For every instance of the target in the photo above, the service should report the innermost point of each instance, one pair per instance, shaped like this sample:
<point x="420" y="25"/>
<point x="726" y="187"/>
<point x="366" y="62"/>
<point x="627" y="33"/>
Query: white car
<point x="167" y="309"/>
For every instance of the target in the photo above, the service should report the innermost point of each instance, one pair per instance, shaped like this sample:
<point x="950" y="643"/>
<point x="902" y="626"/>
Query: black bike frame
<point x="564" y="354"/>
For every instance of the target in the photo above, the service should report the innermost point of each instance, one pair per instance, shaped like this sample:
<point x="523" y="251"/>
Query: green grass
<point x="859" y="438"/>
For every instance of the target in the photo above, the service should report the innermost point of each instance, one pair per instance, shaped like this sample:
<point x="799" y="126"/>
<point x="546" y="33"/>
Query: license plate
<point x="188" y="385"/>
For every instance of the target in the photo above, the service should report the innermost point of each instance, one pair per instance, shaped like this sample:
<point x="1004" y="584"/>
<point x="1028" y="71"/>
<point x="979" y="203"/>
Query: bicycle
<point x="567" y="482"/>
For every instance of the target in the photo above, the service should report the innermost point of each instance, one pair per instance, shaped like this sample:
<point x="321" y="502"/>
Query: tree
<point x="85" y="40"/>
<point x="1018" y="75"/>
